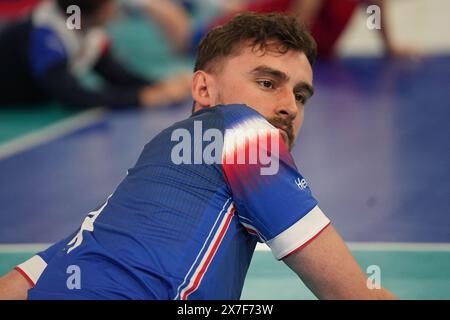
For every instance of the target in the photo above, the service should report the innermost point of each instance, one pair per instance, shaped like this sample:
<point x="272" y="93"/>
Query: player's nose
<point x="287" y="107"/>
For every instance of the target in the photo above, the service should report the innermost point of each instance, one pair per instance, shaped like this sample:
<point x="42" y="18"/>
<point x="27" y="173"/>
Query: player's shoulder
<point x="230" y="119"/>
<point x="242" y="115"/>
<point x="226" y="118"/>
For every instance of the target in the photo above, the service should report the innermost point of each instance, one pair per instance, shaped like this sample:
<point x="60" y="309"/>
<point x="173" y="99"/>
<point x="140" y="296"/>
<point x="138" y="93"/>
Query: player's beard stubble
<point x="287" y="127"/>
<point x="285" y="124"/>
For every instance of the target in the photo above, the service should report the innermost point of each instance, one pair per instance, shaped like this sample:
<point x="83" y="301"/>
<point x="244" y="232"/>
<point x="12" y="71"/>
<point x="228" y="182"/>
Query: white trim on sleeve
<point x="33" y="267"/>
<point x="299" y="233"/>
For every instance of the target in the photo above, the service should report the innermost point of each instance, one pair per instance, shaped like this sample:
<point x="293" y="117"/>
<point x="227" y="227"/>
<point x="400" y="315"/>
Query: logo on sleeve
<point x="301" y="183"/>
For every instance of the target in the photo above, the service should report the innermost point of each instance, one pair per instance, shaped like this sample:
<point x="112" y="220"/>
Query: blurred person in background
<point x="171" y="17"/>
<point x="41" y="59"/>
<point x="326" y="19"/>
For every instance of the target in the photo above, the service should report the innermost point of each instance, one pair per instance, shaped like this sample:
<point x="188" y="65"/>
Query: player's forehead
<point x="249" y="59"/>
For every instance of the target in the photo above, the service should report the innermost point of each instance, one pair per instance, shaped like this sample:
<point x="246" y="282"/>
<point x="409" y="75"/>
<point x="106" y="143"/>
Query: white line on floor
<point x="50" y="132"/>
<point x="354" y="246"/>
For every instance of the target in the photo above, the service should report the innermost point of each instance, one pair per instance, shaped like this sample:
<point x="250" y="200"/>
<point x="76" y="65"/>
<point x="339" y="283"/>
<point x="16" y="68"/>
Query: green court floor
<point x="408" y="274"/>
<point x="19" y="121"/>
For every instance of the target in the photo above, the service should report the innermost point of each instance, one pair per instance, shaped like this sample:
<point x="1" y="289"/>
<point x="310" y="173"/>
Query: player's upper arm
<point x="330" y="271"/>
<point x="273" y="200"/>
<point x="277" y="207"/>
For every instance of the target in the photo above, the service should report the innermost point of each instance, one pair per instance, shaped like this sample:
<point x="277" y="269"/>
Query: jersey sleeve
<point x="273" y="200"/>
<point x="32" y="268"/>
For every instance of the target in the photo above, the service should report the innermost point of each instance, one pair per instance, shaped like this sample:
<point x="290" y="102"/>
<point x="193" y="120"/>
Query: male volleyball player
<point x="187" y="229"/>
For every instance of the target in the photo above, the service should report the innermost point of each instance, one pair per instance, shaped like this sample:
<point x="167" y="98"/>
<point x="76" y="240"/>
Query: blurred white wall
<point x="422" y="24"/>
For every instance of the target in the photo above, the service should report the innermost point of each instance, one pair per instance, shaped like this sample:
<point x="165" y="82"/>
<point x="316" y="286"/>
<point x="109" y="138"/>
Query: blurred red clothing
<point x="330" y="23"/>
<point x="13" y="9"/>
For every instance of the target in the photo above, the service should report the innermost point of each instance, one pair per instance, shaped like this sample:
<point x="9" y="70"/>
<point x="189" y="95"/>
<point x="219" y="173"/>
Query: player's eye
<point x="266" y="84"/>
<point x="300" y="98"/>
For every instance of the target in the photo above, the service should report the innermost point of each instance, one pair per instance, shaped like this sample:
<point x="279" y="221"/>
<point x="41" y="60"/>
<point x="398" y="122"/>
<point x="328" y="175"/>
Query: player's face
<point x="276" y="85"/>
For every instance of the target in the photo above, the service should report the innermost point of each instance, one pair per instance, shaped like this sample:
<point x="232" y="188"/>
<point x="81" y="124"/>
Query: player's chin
<point x="290" y="145"/>
<point x="287" y="140"/>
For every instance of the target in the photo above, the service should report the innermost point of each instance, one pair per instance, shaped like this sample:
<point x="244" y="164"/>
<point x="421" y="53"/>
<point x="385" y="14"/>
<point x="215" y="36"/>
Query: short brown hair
<point x="259" y="29"/>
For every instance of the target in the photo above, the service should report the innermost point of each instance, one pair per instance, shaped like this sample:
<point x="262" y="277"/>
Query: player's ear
<point x="201" y="89"/>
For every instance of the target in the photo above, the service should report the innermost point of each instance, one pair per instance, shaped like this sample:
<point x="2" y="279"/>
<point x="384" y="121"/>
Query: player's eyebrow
<point x="264" y="71"/>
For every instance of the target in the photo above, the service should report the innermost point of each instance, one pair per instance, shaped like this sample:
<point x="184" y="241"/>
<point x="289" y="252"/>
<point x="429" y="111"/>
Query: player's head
<point x="263" y="61"/>
<point x="95" y="12"/>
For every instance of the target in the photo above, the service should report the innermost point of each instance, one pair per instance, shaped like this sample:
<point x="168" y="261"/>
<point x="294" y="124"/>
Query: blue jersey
<point x="185" y="221"/>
